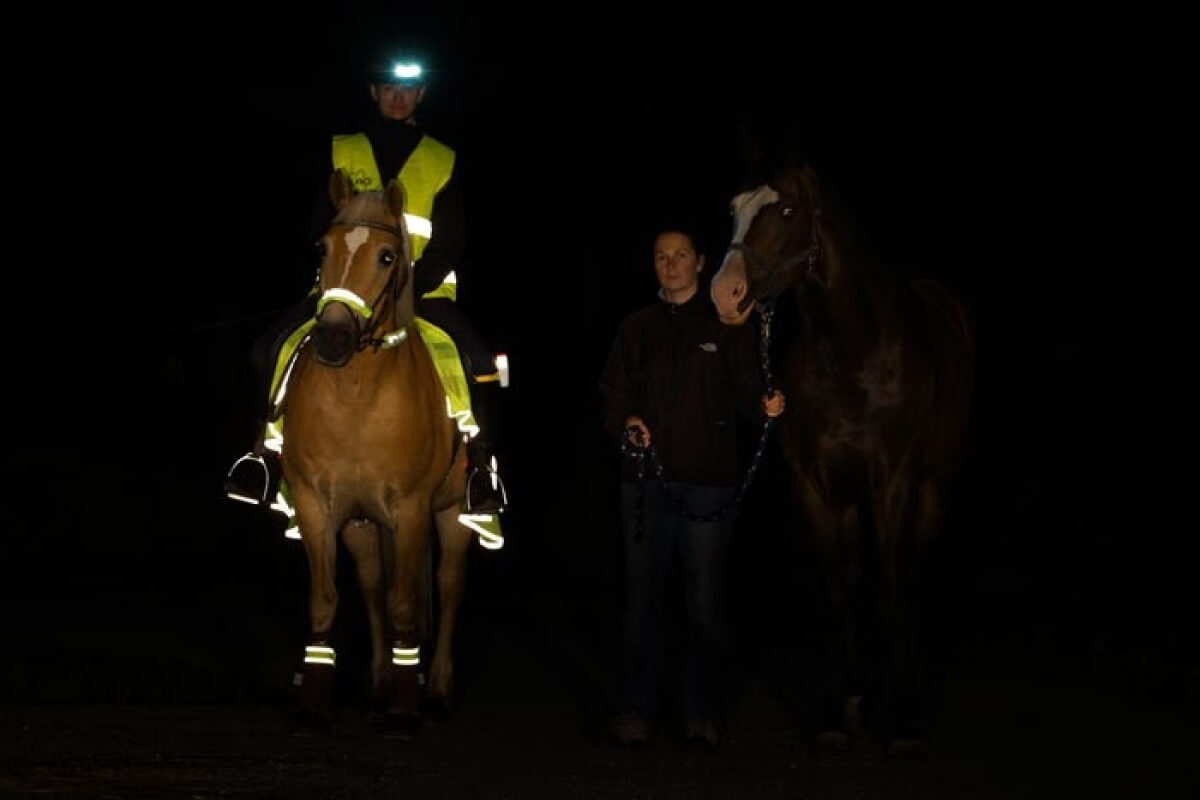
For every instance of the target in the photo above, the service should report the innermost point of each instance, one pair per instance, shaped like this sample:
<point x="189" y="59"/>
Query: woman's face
<point x="677" y="265"/>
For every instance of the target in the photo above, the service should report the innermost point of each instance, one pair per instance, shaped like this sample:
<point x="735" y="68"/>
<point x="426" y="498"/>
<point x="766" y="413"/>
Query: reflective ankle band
<point x="319" y="654"/>
<point x="406" y="656"/>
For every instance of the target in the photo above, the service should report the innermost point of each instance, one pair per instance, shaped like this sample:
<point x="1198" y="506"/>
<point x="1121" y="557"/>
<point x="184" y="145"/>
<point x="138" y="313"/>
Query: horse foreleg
<point x="898" y="512"/>
<point x="316" y="678"/>
<point x="913" y="651"/>
<point x="834" y="537"/>
<point x="455" y="539"/>
<point x="362" y="540"/>
<point x="410" y="537"/>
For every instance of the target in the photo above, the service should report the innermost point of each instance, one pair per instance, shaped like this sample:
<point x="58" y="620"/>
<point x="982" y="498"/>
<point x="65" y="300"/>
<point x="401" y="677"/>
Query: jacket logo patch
<point x="708" y="347"/>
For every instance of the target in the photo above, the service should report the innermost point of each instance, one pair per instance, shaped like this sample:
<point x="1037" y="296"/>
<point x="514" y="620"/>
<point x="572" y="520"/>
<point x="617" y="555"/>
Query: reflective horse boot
<point x="316" y="685"/>
<point x="402" y="704"/>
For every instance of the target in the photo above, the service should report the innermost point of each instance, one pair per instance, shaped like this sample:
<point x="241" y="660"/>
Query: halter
<point x="810" y="256"/>
<point x="364" y="310"/>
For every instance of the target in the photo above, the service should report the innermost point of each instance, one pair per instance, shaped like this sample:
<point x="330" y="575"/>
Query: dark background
<point x="161" y="166"/>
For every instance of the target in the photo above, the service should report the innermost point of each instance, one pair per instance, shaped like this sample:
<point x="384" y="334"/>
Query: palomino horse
<point x="880" y="373"/>
<point x="369" y="452"/>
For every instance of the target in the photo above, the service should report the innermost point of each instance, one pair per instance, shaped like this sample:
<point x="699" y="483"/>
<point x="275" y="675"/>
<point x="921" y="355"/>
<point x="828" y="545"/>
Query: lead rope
<point x="646" y="458"/>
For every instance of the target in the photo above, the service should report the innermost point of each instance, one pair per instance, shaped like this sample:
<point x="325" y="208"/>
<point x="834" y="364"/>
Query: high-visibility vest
<point x="423" y="175"/>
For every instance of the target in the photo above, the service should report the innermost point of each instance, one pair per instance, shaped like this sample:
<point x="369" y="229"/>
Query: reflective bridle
<point x="366" y="312"/>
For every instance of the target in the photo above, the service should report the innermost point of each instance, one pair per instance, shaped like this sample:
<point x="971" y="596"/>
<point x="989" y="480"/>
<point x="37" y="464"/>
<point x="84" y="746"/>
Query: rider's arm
<point x="444" y="251"/>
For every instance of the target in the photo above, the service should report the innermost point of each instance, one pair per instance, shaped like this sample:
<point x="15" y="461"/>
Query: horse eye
<point x="387" y="258"/>
<point x="319" y="250"/>
<point x="788" y="211"/>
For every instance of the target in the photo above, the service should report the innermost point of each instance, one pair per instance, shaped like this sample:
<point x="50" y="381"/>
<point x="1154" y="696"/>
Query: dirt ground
<point x="150" y="655"/>
<point x="176" y="684"/>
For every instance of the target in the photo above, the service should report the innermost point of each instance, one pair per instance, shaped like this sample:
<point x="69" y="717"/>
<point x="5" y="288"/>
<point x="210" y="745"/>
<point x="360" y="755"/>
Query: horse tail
<point x="953" y="307"/>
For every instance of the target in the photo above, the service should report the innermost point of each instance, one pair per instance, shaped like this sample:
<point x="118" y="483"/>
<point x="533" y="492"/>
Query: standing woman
<point x="675" y="385"/>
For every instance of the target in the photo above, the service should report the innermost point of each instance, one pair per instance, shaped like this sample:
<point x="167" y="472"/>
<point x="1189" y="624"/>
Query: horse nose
<point x="333" y="338"/>
<point x="729" y="290"/>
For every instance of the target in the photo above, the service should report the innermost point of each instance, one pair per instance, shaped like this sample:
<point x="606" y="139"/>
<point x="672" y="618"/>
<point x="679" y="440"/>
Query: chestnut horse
<point x="880" y="372"/>
<point x="370" y="453"/>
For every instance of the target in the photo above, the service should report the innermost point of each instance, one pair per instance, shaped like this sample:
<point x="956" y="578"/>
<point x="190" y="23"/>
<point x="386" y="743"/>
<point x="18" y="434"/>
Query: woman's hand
<point x="637" y="432"/>
<point x="773" y="404"/>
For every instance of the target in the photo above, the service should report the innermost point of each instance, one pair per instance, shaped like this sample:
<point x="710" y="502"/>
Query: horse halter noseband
<point x="366" y="311"/>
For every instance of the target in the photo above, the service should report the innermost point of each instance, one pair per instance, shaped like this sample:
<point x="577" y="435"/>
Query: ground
<point x="134" y="693"/>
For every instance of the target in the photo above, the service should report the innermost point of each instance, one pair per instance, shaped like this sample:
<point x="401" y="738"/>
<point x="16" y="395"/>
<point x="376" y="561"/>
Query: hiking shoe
<point x="703" y="732"/>
<point x="630" y="730"/>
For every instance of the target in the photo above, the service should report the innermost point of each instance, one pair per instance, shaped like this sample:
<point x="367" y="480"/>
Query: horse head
<point x="364" y="279"/>
<point x="778" y="241"/>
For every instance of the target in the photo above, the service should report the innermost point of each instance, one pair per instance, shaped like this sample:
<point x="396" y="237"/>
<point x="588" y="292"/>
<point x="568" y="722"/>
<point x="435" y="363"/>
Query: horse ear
<point x="340" y="189"/>
<point x="393" y="195"/>
<point x="811" y="185"/>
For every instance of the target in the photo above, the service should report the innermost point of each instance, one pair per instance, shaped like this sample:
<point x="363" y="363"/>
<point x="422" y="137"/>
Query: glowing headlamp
<point x="405" y="71"/>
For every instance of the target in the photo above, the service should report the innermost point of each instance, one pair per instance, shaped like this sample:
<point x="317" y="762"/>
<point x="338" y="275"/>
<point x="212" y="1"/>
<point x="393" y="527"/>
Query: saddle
<point x="447" y="360"/>
<point x="450" y="367"/>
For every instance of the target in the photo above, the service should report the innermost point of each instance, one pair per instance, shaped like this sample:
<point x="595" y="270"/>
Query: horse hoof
<point x="835" y="741"/>
<point x="308" y="722"/>
<point x="436" y="709"/>
<point x="400" y="726"/>
<point x="916" y="747"/>
<point x="852" y="717"/>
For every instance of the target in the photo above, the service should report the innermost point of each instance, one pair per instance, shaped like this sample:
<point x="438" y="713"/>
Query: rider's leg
<point x="254" y="477"/>
<point x="485" y="490"/>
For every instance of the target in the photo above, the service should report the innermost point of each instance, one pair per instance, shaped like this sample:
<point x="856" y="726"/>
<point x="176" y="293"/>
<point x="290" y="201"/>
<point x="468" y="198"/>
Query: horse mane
<point x="854" y="242"/>
<point x="774" y="150"/>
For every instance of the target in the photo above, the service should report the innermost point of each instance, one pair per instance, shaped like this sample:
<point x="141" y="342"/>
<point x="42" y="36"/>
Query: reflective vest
<point x="423" y="175"/>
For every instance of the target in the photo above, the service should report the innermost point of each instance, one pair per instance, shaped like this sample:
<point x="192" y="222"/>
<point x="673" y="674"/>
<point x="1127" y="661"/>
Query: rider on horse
<point x="393" y="145"/>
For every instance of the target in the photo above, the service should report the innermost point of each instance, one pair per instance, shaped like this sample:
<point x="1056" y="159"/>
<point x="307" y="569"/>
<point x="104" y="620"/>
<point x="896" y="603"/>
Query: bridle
<point x="367" y="312"/>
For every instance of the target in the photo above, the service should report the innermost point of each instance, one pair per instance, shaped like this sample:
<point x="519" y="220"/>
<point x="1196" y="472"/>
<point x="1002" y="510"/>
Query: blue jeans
<point x="653" y="528"/>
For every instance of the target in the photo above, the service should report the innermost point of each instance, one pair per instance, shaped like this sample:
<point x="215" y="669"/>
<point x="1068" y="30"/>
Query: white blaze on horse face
<point x="729" y="286"/>
<point x="354" y="239"/>
<point x="746" y="207"/>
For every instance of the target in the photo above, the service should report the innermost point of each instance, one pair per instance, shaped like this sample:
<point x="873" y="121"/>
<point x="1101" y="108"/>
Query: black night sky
<point x="161" y="167"/>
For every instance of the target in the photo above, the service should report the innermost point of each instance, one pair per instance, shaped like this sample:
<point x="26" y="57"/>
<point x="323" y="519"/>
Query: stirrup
<point x="492" y="497"/>
<point x="238" y="491"/>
